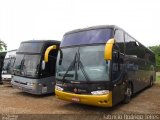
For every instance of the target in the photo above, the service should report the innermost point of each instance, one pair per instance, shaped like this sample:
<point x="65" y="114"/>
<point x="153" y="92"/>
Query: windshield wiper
<point x="72" y="65"/>
<point x="76" y="63"/>
<point x="82" y="68"/>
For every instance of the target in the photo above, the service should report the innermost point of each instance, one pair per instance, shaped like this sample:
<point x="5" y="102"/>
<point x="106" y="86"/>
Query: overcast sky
<point x="22" y="20"/>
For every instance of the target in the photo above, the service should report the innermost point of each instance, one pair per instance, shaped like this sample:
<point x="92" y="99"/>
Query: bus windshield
<point x="85" y="63"/>
<point x="6" y="64"/>
<point x="27" y="65"/>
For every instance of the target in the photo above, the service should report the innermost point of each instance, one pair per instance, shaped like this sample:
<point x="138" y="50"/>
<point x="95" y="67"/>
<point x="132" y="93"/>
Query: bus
<point x="2" y="56"/>
<point x="34" y="68"/>
<point x="8" y="65"/>
<point x="102" y="66"/>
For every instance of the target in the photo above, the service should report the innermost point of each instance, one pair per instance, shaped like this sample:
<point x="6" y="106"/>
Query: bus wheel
<point x="128" y="93"/>
<point x="151" y="82"/>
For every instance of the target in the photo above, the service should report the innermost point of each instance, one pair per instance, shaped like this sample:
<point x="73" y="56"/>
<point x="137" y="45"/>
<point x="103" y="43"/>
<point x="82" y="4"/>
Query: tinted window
<point x="131" y="46"/>
<point x="119" y="37"/>
<point x="87" y="37"/>
<point x="30" y="47"/>
<point x="137" y="49"/>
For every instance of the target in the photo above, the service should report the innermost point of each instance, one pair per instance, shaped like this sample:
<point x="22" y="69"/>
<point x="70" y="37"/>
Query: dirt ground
<point x="13" y="101"/>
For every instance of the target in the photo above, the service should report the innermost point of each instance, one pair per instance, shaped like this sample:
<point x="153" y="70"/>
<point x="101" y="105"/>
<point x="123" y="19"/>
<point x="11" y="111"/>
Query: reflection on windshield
<point x="31" y="47"/>
<point x="87" y="37"/>
<point x="27" y="65"/>
<point x="8" y="64"/>
<point x="90" y="62"/>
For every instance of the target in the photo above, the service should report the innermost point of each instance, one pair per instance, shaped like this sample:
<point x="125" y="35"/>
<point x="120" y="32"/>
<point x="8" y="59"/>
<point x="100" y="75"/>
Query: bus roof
<point x="11" y="50"/>
<point x="35" y="46"/>
<point x="41" y="41"/>
<point x="91" y="28"/>
<point x="114" y="27"/>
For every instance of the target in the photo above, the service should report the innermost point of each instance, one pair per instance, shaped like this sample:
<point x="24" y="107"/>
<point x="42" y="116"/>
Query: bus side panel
<point x="118" y="93"/>
<point x="47" y="84"/>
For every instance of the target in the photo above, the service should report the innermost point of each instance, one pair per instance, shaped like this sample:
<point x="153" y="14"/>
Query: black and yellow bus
<point x="102" y="66"/>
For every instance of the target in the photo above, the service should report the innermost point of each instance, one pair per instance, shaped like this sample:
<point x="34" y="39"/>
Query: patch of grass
<point x="157" y="79"/>
<point x="158" y="76"/>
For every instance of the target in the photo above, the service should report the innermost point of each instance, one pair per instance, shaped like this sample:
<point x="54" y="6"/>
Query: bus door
<point x="117" y="76"/>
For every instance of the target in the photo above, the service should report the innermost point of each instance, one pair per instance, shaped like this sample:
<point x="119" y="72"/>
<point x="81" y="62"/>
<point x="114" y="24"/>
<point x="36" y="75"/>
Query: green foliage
<point x="3" y="46"/>
<point x="158" y="59"/>
<point x="156" y="50"/>
<point x="158" y="76"/>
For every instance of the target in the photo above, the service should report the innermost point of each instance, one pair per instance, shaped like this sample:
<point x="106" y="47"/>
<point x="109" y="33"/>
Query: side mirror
<point x="50" y="48"/>
<point x="108" y="51"/>
<point x="43" y="65"/>
<point x="60" y="61"/>
<point x="61" y="56"/>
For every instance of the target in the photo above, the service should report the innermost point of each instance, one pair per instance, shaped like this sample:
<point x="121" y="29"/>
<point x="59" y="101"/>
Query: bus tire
<point x="128" y="93"/>
<point x="151" y="82"/>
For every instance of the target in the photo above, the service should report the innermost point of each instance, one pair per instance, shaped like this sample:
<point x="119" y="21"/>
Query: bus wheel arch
<point x="151" y="81"/>
<point x="128" y="92"/>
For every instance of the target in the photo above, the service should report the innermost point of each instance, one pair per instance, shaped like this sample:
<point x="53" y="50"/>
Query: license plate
<point x="44" y="89"/>
<point x="76" y="99"/>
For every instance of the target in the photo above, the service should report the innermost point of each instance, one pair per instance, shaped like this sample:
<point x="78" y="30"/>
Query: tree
<point x="3" y="46"/>
<point x="156" y="50"/>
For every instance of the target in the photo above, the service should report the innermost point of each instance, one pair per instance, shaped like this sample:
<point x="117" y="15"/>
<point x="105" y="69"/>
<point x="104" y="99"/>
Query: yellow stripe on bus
<point x="96" y="100"/>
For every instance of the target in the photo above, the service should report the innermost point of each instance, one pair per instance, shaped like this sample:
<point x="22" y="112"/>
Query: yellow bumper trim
<point x="95" y="100"/>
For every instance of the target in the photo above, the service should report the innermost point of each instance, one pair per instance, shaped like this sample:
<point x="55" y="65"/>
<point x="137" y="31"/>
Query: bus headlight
<point x="58" y="88"/>
<point x="31" y="85"/>
<point x="100" y="92"/>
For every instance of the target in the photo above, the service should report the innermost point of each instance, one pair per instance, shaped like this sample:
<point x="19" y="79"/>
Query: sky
<point x="22" y="20"/>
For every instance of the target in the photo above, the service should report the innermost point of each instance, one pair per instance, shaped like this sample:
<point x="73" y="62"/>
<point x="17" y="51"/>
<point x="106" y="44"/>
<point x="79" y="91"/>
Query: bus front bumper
<point x="25" y="89"/>
<point x="95" y="100"/>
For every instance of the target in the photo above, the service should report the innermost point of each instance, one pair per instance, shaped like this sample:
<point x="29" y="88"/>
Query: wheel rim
<point x="129" y="92"/>
<point x="151" y="83"/>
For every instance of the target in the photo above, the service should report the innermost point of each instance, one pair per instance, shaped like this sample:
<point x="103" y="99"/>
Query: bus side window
<point x="133" y="48"/>
<point x="119" y="37"/>
<point x="115" y="61"/>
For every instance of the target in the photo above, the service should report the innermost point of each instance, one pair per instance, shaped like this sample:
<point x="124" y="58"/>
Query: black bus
<point x="2" y="56"/>
<point x="102" y="66"/>
<point x="34" y="68"/>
